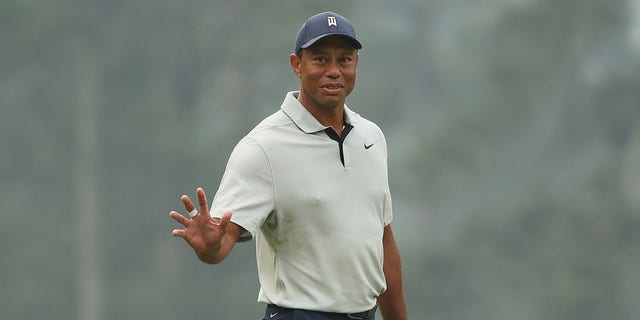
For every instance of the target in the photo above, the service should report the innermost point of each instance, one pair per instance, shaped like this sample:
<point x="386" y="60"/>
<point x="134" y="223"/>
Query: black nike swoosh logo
<point x="368" y="146"/>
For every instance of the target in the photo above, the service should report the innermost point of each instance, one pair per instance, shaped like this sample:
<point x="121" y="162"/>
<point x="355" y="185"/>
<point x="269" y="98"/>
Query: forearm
<point x="391" y="302"/>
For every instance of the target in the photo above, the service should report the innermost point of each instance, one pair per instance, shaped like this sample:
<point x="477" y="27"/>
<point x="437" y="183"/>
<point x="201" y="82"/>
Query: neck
<point x="331" y="118"/>
<point x="328" y="115"/>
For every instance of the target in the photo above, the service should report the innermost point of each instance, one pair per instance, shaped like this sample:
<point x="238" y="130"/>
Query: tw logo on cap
<point x="332" y="21"/>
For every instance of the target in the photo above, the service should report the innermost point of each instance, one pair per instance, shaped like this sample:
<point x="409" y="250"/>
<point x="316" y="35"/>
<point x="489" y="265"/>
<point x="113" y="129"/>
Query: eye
<point x="346" y="59"/>
<point x="320" y="59"/>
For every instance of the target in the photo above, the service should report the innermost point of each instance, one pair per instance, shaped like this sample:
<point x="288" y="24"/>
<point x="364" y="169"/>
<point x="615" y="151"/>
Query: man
<point x="309" y="183"/>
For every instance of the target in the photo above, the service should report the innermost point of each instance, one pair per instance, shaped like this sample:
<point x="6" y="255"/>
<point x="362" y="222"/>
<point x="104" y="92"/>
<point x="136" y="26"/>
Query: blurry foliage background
<point x="513" y="130"/>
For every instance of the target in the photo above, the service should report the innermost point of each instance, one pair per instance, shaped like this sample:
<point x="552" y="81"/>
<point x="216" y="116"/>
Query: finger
<point x="202" y="201"/>
<point x="180" y="218"/>
<point x="178" y="233"/>
<point x="188" y="205"/>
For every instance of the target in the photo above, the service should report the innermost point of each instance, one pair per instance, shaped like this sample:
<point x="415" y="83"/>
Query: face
<point x="327" y="72"/>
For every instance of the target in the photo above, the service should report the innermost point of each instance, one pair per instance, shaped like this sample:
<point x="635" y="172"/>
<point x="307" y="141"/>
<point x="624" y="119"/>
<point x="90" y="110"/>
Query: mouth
<point x="332" y="88"/>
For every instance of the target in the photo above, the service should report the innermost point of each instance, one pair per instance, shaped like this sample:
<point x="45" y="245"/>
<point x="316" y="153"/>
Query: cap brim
<point x="309" y="43"/>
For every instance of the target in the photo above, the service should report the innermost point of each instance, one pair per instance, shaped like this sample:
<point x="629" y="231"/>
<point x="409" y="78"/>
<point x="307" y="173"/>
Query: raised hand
<point x="205" y="234"/>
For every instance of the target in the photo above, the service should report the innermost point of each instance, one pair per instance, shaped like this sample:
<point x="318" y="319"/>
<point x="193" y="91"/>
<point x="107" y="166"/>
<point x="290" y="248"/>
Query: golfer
<point x="310" y="185"/>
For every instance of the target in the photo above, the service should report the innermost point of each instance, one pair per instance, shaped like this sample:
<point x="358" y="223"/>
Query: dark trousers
<point x="274" y="312"/>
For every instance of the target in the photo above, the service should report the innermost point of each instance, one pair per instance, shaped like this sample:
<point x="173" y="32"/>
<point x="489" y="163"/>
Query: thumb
<point x="224" y="220"/>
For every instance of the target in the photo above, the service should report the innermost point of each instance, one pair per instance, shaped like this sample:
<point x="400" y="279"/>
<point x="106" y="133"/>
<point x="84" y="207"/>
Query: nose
<point x="333" y="70"/>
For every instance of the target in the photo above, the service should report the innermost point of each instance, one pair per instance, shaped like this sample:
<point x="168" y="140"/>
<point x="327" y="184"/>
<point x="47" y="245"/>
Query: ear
<point x="294" y="60"/>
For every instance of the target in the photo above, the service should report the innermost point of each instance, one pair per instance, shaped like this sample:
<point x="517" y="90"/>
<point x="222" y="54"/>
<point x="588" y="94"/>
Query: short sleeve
<point x="246" y="188"/>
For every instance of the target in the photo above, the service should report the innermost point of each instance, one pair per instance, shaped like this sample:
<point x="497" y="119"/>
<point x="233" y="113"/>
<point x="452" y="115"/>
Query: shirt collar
<point x="304" y="119"/>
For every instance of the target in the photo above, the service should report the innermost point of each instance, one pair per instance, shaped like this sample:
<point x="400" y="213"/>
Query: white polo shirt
<point x="316" y="206"/>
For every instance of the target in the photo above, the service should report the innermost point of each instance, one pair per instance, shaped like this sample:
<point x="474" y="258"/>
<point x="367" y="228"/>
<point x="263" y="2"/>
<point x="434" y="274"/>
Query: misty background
<point x="514" y="151"/>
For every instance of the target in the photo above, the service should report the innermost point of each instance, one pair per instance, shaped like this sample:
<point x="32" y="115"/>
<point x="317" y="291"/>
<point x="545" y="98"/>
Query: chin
<point x="332" y="100"/>
<point x="333" y="103"/>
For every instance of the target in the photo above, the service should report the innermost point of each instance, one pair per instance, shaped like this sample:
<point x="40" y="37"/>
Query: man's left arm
<point x="391" y="302"/>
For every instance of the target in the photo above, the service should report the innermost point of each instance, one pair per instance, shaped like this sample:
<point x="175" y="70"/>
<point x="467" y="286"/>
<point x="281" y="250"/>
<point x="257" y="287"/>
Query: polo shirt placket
<point x="344" y="155"/>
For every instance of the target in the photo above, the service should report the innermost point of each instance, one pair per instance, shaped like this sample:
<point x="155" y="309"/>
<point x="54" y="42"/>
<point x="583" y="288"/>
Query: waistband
<point x="274" y="312"/>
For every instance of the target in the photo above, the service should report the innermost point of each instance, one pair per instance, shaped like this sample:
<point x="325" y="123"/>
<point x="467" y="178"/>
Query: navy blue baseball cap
<point x="323" y="25"/>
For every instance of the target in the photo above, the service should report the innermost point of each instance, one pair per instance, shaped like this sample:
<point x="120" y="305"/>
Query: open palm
<point x="202" y="232"/>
